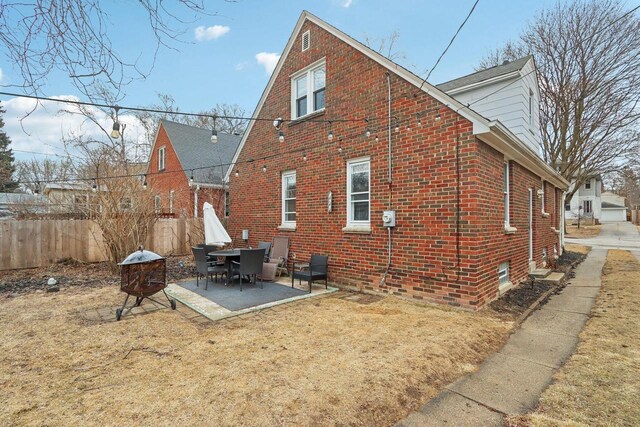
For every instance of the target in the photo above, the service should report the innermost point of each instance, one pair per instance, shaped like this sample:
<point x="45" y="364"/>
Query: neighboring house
<point x="476" y="208"/>
<point x="587" y="201"/>
<point x="68" y="197"/>
<point x="14" y="204"/>
<point x="181" y="152"/>
<point x="613" y="207"/>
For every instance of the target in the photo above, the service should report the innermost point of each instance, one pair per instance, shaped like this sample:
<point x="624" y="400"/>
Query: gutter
<point x="503" y="140"/>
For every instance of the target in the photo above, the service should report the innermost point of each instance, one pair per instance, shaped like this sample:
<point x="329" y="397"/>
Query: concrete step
<point x="539" y="273"/>
<point x="551" y="279"/>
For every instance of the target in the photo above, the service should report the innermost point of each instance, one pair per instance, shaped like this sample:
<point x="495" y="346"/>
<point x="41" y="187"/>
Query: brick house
<point x="181" y="152"/>
<point x="476" y="208"/>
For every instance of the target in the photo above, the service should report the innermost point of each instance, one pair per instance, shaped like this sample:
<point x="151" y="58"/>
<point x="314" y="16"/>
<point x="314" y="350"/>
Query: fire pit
<point x="143" y="274"/>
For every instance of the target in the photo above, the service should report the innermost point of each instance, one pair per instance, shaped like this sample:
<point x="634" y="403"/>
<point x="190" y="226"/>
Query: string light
<point x="214" y="132"/>
<point x="367" y="131"/>
<point x="144" y="183"/>
<point x="304" y="157"/>
<point x="340" y="149"/>
<point x="419" y="119"/>
<point x="280" y="136"/>
<point x="94" y="187"/>
<point x="115" y="132"/>
<point x="191" y="178"/>
<point x="237" y="172"/>
<point x="438" y="116"/>
<point x="264" y="168"/>
<point x="377" y="138"/>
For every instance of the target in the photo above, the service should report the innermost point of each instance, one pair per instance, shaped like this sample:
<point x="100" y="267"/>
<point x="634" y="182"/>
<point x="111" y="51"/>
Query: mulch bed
<point x="72" y="273"/>
<point x="518" y="299"/>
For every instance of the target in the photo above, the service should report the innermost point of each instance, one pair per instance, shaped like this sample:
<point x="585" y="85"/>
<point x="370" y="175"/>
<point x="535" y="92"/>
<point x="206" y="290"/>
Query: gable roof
<point x="195" y="150"/>
<point x="608" y="205"/>
<point x="492" y="132"/>
<point x="494" y="72"/>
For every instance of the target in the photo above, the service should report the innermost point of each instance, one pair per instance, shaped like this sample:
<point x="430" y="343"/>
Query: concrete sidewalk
<point x="512" y="380"/>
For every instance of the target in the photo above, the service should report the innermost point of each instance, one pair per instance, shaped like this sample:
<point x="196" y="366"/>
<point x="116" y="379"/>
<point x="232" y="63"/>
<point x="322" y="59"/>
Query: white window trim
<point x="545" y="214"/>
<point x="353" y="225"/>
<point x="162" y="158"/>
<point x="284" y="223"/>
<point x="506" y="169"/>
<point x="157" y="203"/>
<point x="309" y="72"/>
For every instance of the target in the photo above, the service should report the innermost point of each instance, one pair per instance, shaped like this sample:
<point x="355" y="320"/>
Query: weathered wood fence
<point x="36" y="243"/>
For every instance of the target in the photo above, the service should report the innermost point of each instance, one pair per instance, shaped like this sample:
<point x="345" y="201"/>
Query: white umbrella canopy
<point x="214" y="232"/>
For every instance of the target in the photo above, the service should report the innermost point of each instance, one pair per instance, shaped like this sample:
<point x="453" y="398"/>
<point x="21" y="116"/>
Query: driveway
<point x="613" y="235"/>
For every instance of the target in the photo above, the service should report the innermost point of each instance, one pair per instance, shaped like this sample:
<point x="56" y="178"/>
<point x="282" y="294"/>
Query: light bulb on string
<point x="264" y="168"/>
<point x="281" y="136"/>
<point x="304" y="157"/>
<point x="237" y="172"/>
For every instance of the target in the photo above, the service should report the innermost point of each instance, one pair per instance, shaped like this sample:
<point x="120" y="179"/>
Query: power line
<point x="450" y="43"/>
<point x="159" y="111"/>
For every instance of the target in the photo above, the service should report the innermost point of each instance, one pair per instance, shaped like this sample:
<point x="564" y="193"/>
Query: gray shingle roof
<point x="482" y="75"/>
<point x="195" y="150"/>
<point x="611" y="205"/>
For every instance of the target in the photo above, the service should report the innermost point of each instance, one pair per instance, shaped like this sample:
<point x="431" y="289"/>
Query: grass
<point x="600" y="384"/>
<point x="581" y="249"/>
<point x="584" y="231"/>
<point x="320" y="362"/>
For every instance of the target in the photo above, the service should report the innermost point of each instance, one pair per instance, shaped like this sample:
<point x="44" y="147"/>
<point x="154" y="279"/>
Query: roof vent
<point x="306" y="40"/>
<point x="505" y="62"/>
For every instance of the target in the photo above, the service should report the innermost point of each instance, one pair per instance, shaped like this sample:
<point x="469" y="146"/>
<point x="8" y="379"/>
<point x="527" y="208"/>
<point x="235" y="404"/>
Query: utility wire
<point x="450" y="43"/>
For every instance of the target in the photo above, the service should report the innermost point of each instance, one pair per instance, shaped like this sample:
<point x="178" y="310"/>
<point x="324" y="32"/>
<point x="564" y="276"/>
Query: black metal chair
<point x="316" y="269"/>
<point x="250" y="265"/>
<point x="267" y="248"/>
<point x="205" y="268"/>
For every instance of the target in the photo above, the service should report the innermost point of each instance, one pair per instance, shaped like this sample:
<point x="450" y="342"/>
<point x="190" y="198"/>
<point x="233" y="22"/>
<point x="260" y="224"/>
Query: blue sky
<point x="224" y="58"/>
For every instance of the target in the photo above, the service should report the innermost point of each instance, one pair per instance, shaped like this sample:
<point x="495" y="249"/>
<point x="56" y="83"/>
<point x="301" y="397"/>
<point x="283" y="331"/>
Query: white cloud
<point x="346" y="3"/>
<point x="268" y="60"/>
<point x="44" y="127"/>
<point x="211" y="33"/>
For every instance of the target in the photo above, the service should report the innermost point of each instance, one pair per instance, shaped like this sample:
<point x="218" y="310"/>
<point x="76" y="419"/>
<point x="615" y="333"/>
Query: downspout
<point x="562" y="225"/>
<point x="195" y="201"/>
<point x="389" y="178"/>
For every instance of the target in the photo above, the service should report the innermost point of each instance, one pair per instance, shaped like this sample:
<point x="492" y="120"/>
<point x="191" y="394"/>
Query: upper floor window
<point x="156" y="203"/>
<point x="161" y="158"/>
<point x="358" y="192"/>
<point x="289" y="198"/>
<point x="307" y="91"/>
<point x="587" y="185"/>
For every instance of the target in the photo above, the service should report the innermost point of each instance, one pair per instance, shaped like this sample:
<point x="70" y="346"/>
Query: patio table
<point x="228" y="255"/>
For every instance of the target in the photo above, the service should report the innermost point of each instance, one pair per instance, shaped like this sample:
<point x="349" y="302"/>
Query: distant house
<point x="68" y="197"/>
<point x="186" y="169"/>
<point x="587" y="201"/>
<point x="405" y="186"/>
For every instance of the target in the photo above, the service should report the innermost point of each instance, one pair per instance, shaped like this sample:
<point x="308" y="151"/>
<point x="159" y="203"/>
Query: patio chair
<point x="250" y="265"/>
<point x="267" y="248"/>
<point x="210" y="248"/>
<point x="316" y="269"/>
<point x="205" y="268"/>
<point x="280" y="254"/>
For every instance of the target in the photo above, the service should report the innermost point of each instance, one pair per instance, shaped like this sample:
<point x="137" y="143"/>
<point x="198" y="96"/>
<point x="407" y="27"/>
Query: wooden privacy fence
<point x="36" y="243"/>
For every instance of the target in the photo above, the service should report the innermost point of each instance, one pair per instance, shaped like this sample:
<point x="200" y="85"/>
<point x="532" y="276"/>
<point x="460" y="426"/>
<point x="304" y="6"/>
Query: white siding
<point x="508" y="101"/>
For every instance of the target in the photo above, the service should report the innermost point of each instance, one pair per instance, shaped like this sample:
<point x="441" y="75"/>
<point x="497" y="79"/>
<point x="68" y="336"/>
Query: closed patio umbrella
<point x="214" y="232"/>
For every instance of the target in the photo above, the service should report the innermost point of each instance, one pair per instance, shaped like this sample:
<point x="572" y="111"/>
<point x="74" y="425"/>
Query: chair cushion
<point x="269" y="271"/>
<point x="306" y="275"/>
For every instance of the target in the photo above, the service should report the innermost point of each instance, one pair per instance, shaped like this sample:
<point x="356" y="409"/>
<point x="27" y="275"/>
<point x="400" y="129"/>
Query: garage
<point x="612" y="213"/>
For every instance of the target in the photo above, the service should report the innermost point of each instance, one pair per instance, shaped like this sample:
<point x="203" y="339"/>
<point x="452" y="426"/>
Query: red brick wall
<point x="174" y="179"/>
<point x="429" y="261"/>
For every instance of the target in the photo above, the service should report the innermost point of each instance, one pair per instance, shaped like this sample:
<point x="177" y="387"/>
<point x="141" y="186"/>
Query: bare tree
<point x="33" y="174"/>
<point x="73" y="37"/>
<point x="386" y="46"/>
<point x="588" y="58"/>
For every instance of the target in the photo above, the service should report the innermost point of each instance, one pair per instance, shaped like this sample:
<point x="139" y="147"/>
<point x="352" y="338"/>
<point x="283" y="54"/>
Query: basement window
<point x="503" y="275"/>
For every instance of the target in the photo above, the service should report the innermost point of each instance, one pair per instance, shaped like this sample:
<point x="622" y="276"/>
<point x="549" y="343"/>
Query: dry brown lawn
<point x="584" y="231"/>
<point x="600" y="384"/>
<point x="320" y="362"/>
<point x="581" y="249"/>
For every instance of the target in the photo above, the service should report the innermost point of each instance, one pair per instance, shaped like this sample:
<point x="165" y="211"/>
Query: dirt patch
<point x="518" y="299"/>
<point x="319" y="362"/>
<point x="599" y="384"/>
<point x="584" y="231"/>
<point x="72" y="273"/>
